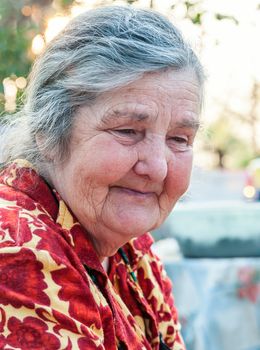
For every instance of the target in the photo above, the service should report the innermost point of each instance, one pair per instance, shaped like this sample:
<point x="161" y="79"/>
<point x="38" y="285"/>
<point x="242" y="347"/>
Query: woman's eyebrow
<point x="188" y="123"/>
<point x="116" y="114"/>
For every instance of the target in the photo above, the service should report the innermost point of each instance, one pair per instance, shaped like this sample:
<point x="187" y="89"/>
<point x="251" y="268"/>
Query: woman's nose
<point x="153" y="158"/>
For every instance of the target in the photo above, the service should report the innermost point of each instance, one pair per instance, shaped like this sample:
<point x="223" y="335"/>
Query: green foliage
<point x="66" y="3"/>
<point x="129" y="2"/>
<point x="16" y="32"/>
<point x="220" y="17"/>
<point x="197" y="18"/>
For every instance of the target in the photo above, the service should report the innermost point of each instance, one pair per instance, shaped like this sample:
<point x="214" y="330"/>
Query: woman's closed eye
<point x="179" y="143"/>
<point x="128" y="135"/>
<point x="126" y="132"/>
<point x="180" y="139"/>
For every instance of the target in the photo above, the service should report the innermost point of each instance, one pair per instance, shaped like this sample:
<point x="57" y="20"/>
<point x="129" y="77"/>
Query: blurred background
<point x="210" y="244"/>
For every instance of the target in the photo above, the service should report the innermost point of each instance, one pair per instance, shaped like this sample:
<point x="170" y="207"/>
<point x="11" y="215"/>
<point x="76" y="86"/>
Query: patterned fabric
<point x="54" y="292"/>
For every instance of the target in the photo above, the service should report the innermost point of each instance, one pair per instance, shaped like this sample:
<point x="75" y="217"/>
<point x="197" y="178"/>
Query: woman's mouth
<point x="134" y="192"/>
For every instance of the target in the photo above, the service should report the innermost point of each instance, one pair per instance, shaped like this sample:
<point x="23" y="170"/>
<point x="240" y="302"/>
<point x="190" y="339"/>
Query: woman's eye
<point x="128" y="135"/>
<point x="179" y="143"/>
<point x="126" y="131"/>
<point x="180" y="140"/>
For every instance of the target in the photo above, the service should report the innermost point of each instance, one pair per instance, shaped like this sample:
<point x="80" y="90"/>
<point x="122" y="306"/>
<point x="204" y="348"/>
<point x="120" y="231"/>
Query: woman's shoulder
<point x="26" y="206"/>
<point x="26" y="224"/>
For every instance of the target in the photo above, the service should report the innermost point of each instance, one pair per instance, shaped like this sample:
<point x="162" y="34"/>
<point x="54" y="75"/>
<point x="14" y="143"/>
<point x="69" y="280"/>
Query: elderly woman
<point x="99" y="155"/>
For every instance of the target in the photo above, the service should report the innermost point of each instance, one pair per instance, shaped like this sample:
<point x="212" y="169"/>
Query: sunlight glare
<point x="21" y="82"/>
<point x="38" y="44"/>
<point x="54" y="26"/>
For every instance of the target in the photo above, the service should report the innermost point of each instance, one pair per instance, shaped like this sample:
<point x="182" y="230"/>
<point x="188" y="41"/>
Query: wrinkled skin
<point x="130" y="157"/>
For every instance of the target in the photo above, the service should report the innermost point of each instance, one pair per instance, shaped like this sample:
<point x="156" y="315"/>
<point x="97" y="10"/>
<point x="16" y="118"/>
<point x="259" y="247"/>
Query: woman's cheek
<point x="178" y="178"/>
<point x="185" y="173"/>
<point x="115" y="163"/>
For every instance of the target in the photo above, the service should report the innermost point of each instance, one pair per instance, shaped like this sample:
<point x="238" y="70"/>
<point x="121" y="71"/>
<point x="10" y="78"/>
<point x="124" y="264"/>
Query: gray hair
<point x="98" y="51"/>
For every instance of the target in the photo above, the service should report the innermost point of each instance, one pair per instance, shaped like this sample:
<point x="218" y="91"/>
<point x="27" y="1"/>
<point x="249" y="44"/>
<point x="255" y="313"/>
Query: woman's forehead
<point x="153" y="89"/>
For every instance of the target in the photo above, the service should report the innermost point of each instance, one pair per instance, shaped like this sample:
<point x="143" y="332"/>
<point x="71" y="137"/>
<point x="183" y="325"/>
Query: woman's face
<point x="130" y="157"/>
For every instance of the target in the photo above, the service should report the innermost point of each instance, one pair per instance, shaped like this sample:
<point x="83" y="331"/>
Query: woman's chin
<point x="129" y="219"/>
<point x="130" y="224"/>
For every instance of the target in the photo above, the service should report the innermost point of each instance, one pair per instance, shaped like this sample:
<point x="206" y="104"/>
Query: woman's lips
<point x="134" y="192"/>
